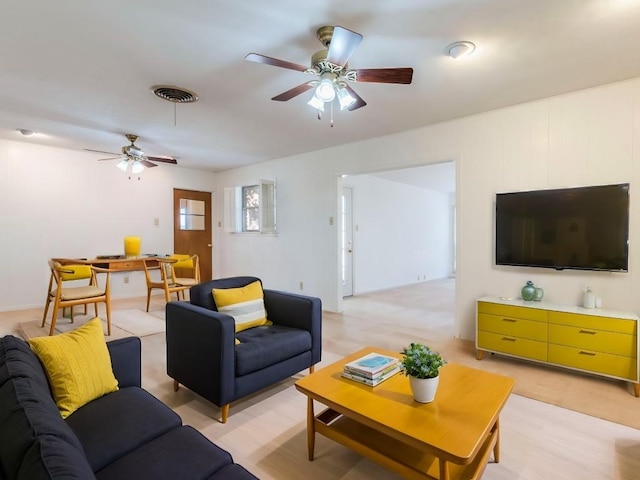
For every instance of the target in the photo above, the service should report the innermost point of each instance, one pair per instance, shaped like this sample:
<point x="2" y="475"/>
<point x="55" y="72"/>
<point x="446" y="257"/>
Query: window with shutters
<point x="250" y="208"/>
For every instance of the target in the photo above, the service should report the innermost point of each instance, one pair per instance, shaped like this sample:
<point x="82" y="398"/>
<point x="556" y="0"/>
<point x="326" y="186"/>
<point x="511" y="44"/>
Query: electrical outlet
<point x="330" y="220"/>
<point x="301" y="285"/>
<point x="126" y="279"/>
<point x="156" y="221"/>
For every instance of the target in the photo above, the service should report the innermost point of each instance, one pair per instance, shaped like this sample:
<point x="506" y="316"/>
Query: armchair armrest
<point x="201" y="350"/>
<point x="126" y="361"/>
<point x="296" y="311"/>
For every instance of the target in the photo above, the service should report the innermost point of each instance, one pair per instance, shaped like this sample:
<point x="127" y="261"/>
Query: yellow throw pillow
<point x="245" y="305"/>
<point x="78" y="365"/>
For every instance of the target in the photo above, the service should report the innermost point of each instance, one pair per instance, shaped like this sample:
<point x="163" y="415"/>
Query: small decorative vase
<point x="424" y="389"/>
<point x="131" y="247"/>
<point x="539" y="294"/>
<point x="528" y="291"/>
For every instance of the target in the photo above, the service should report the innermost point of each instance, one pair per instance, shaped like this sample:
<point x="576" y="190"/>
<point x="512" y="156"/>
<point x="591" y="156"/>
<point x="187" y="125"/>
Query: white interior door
<point x="346" y="254"/>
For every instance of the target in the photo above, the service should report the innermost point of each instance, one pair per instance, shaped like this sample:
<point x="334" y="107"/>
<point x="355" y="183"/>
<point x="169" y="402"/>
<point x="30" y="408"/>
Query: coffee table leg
<point x="311" y="429"/>
<point x="496" y="448"/>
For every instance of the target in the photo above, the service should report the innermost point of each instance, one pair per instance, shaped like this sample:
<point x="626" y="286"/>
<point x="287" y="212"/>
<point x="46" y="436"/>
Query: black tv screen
<point x="584" y="228"/>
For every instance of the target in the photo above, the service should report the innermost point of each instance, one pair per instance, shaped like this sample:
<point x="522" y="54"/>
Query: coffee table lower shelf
<point x="395" y="455"/>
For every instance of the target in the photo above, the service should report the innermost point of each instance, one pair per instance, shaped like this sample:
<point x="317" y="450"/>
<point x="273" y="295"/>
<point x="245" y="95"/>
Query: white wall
<point x="63" y="203"/>
<point x="57" y="202"/>
<point x="581" y="138"/>
<point x="401" y="233"/>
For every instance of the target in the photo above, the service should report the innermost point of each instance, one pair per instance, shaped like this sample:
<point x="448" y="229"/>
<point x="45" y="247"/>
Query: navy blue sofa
<point x="202" y="354"/>
<point x="127" y="434"/>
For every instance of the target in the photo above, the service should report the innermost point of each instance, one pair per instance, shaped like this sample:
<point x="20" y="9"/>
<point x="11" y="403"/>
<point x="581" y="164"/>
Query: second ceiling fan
<point x="334" y="75"/>
<point x="132" y="158"/>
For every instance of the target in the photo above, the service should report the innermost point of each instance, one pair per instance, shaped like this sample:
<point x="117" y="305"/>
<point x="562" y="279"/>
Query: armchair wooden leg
<point x="176" y="385"/>
<point x="224" y="413"/>
<point x="312" y="368"/>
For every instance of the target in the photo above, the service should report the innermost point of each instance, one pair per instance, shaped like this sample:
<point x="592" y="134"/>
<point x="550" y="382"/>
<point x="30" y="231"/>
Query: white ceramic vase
<point x="424" y="389"/>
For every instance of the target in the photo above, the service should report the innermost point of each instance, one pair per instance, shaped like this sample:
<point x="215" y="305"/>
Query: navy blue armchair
<point x="202" y="353"/>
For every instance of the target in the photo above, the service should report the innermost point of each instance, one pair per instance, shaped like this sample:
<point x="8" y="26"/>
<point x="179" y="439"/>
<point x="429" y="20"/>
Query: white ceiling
<point x="80" y="72"/>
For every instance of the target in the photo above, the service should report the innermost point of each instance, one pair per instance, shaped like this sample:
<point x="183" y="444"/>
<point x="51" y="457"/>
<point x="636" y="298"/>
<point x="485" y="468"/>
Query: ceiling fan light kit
<point x="330" y="66"/>
<point x="459" y="49"/>
<point x="316" y="103"/>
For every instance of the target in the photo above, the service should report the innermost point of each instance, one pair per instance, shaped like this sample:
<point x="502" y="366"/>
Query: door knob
<point x="209" y="245"/>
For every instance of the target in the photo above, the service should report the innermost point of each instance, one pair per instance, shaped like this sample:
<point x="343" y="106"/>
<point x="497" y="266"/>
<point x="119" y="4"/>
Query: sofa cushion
<point x="35" y="442"/>
<point x="261" y="347"/>
<point x="77" y="364"/>
<point x="120" y="422"/>
<point x="244" y="304"/>
<point x="180" y="453"/>
<point x="17" y="360"/>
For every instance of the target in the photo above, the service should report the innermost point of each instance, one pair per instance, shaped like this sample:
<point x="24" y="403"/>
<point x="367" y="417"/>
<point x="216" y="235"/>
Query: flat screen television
<point x="583" y="228"/>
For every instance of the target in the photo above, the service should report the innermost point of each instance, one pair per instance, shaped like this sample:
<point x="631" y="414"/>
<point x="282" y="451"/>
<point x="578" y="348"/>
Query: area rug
<point x="139" y="323"/>
<point x="124" y="323"/>
<point x="605" y="398"/>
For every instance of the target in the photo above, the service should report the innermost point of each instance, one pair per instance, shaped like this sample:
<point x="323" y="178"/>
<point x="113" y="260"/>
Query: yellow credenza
<point x="602" y="342"/>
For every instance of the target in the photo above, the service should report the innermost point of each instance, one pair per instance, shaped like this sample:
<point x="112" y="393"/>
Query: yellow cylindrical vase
<point x="132" y="246"/>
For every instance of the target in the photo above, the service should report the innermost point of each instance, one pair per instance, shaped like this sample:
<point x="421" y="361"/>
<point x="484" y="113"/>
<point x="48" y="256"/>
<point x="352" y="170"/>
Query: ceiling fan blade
<point x="101" y="151"/>
<point x="385" y="75"/>
<point x="359" y="101"/>
<point x="110" y="158"/>
<point x="147" y="163"/>
<point x="294" y="92"/>
<point x="171" y="160"/>
<point x="343" y="44"/>
<point x="257" y="58"/>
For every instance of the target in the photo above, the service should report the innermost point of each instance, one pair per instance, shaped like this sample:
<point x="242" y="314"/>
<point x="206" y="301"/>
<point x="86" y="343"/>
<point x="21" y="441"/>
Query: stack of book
<point x="371" y="369"/>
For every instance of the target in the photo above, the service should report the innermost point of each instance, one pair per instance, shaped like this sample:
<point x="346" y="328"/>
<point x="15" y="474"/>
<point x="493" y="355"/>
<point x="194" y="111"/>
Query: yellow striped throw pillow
<point x="244" y="304"/>
<point x="77" y="364"/>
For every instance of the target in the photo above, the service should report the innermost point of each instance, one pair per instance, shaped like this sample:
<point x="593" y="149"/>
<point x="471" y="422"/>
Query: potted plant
<point x="422" y="366"/>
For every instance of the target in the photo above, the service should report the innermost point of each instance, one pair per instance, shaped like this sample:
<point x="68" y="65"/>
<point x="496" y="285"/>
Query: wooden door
<point x="192" y="227"/>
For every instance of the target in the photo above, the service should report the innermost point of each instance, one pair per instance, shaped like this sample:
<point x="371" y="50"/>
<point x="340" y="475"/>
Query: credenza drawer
<point x="594" y="322"/>
<point x="595" y="340"/>
<point x="512" y="311"/>
<point x="520" y="347"/>
<point x="615" y="365"/>
<point x="515" y="327"/>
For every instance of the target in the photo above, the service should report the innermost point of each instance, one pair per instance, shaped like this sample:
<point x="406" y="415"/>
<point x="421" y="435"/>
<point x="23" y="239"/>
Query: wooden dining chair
<point x="75" y="272"/>
<point x="159" y="275"/>
<point x="186" y="270"/>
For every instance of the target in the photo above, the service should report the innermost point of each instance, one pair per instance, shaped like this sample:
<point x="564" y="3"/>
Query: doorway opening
<point x="397" y="228"/>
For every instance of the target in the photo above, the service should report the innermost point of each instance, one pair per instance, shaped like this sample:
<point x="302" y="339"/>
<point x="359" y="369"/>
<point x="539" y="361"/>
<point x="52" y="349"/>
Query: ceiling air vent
<point x="174" y="94"/>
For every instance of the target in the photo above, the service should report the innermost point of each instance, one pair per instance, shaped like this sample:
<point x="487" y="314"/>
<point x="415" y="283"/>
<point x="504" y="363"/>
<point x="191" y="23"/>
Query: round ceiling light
<point x="459" y="49"/>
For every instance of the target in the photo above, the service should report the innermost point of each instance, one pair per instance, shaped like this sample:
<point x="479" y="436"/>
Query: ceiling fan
<point x="133" y="158"/>
<point x="334" y="75"/>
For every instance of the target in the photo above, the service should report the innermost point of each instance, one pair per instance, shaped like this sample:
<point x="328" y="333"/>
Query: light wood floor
<point x="266" y="432"/>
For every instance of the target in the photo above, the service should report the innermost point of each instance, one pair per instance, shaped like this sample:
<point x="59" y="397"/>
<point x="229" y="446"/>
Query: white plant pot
<point x="424" y="389"/>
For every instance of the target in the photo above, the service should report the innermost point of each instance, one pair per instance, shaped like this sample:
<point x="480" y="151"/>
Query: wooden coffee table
<point x="450" y="438"/>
